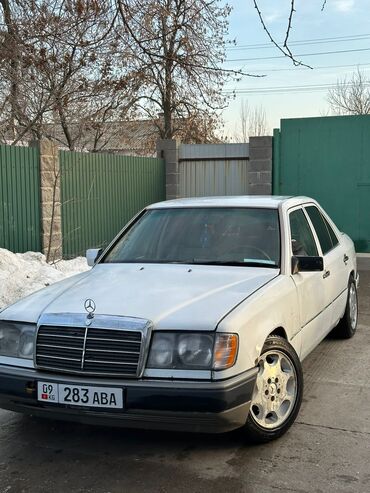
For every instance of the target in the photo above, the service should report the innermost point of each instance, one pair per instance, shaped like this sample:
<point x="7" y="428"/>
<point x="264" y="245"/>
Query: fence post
<point x="51" y="217"/>
<point x="260" y="166"/>
<point x="168" y="149"/>
<point x="276" y="163"/>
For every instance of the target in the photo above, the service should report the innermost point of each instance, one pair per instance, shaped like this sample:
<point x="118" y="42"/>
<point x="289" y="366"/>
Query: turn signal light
<point x="226" y="351"/>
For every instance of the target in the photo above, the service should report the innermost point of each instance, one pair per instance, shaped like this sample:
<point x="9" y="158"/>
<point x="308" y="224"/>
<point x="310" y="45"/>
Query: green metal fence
<point x="328" y="158"/>
<point x="100" y="193"/>
<point x="20" y="199"/>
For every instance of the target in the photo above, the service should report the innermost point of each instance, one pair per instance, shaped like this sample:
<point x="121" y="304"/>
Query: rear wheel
<point x="278" y="391"/>
<point x="348" y="324"/>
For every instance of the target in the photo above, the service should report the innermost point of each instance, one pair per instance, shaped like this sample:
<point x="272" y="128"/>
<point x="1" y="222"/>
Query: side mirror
<point x="92" y="256"/>
<point x="307" y="264"/>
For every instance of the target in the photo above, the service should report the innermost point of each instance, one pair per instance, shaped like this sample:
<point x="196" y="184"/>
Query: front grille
<point x="89" y="350"/>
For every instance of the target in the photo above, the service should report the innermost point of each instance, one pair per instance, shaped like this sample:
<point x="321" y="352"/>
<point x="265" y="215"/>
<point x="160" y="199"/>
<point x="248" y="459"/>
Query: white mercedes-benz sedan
<point x="196" y="317"/>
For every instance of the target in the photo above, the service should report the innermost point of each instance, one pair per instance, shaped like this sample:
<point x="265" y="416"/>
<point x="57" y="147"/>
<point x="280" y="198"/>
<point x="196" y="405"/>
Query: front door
<point x="315" y="316"/>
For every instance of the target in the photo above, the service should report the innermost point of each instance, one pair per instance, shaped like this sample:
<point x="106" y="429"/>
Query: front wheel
<point x="278" y="391"/>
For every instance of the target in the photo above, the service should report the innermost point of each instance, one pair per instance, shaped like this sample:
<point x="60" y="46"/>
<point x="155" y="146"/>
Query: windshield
<point x="228" y="236"/>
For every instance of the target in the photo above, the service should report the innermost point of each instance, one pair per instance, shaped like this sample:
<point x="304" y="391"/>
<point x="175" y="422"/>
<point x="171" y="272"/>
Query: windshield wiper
<point x="196" y="261"/>
<point x="235" y="263"/>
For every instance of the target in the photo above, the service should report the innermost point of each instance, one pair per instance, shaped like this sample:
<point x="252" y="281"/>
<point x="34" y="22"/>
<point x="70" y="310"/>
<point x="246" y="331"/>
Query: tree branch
<point x="285" y="50"/>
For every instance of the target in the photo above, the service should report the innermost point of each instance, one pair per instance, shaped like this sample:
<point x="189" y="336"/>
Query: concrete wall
<point x="168" y="149"/>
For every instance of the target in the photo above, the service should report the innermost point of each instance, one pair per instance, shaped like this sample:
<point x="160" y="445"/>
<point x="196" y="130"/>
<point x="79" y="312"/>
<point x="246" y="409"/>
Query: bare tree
<point x="9" y="57"/>
<point x="75" y="68"/>
<point x="64" y="68"/>
<point x="243" y="134"/>
<point x="252" y="122"/>
<point x="257" y="122"/>
<point x="180" y="45"/>
<point x="200" y="129"/>
<point x="351" y="96"/>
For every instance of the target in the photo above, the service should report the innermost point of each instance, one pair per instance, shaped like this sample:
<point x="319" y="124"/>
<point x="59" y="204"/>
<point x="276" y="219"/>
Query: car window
<point x="202" y="236"/>
<point x="322" y="229"/>
<point x="333" y="236"/>
<point x="303" y="242"/>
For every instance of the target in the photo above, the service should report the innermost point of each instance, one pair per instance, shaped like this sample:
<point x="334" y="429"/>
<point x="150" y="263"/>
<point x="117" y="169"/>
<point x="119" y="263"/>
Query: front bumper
<point x="198" y="406"/>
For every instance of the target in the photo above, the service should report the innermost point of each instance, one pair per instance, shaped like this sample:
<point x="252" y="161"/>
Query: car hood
<point x="171" y="296"/>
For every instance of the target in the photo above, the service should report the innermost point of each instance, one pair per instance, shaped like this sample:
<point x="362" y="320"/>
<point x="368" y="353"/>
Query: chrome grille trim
<point x="58" y="357"/>
<point x="112" y="362"/>
<point x="112" y="351"/>
<point x="100" y="339"/>
<point x="59" y="347"/>
<point x="84" y="349"/>
<point x="130" y="335"/>
<point x="66" y="337"/>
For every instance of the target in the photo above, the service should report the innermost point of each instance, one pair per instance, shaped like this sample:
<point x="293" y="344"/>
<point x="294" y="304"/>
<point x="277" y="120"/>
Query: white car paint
<point x="176" y="299"/>
<point x="252" y="302"/>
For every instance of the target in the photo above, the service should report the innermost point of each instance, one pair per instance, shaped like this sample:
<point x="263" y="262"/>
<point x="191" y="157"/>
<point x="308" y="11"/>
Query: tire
<point x="277" y="394"/>
<point x="347" y="326"/>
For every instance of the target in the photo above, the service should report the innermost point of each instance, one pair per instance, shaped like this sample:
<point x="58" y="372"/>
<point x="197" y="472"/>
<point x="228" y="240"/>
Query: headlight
<point x="195" y="350"/>
<point x="161" y="352"/>
<point x="17" y="340"/>
<point x="192" y="351"/>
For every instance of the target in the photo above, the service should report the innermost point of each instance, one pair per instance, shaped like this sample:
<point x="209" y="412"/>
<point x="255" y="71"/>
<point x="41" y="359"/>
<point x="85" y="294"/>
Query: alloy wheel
<point x="275" y="391"/>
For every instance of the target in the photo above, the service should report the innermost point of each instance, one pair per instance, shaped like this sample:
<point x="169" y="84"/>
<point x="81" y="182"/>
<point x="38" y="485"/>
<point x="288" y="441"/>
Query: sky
<point x="343" y="26"/>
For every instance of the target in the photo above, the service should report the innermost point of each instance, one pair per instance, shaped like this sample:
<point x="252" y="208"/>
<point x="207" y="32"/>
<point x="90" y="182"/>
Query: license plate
<point x="79" y="395"/>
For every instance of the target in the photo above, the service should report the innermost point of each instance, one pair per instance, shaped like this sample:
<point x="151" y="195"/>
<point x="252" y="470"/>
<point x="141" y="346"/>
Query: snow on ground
<point x="23" y="273"/>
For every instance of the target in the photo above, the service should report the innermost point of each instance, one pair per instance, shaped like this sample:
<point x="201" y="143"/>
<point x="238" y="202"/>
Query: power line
<point x="358" y="37"/>
<point x="296" y="56"/>
<point x="281" y="92"/>
<point x="285" y="89"/>
<point x="258" y="45"/>
<point x="304" y="69"/>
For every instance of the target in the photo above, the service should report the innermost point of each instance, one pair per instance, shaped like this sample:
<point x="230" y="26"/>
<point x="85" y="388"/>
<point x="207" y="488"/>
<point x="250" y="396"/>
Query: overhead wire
<point x="285" y="89"/>
<point x="298" y="55"/>
<point x="304" y="69"/>
<point x="338" y="39"/>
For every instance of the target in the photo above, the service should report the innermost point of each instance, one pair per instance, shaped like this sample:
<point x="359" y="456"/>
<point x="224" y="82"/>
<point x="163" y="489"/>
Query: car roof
<point x="263" y="201"/>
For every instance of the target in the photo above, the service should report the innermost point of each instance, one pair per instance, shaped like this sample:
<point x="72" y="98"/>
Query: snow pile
<point x="23" y="273"/>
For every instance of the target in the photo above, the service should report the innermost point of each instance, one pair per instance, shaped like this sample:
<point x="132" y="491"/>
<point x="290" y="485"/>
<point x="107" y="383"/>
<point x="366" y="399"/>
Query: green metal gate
<point x="20" y="224"/>
<point x="328" y="158"/>
<point x="100" y="193"/>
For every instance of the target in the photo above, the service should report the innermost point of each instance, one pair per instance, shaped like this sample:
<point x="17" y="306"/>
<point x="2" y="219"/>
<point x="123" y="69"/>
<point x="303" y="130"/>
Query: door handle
<point x="326" y="274"/>
<point x="345" y="259"/>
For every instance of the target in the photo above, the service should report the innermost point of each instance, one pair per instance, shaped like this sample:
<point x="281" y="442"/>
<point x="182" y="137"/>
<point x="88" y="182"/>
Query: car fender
<point x="274" y="306"/>
<point x="350" y="251"/>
